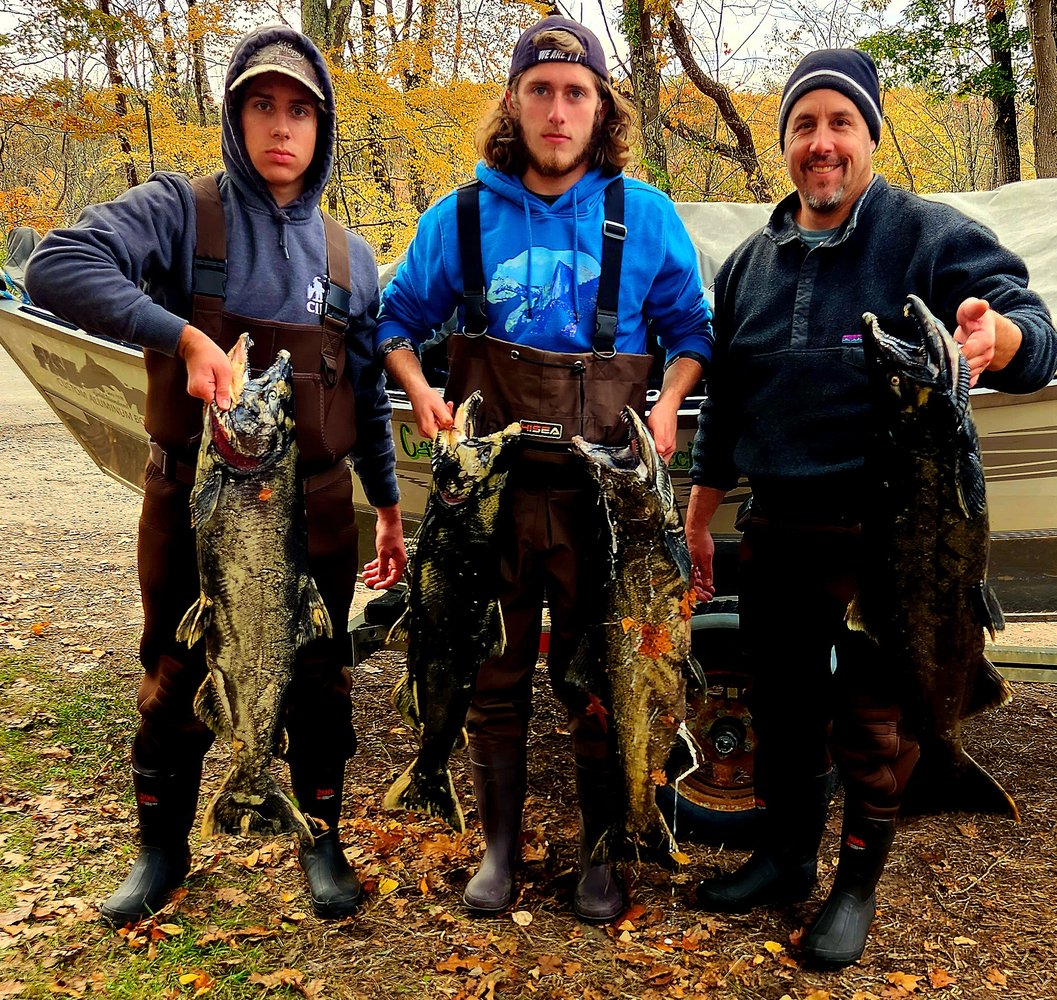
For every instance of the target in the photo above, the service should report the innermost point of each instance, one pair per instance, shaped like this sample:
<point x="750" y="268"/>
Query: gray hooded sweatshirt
<point x="124" y="269"/>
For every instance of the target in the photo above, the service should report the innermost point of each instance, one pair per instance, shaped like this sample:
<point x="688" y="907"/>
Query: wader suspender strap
<point x="337" y="298"/>
<point x="468" y="216"/>
<point x="210" y="268"/>
<point x="614" y="232"/>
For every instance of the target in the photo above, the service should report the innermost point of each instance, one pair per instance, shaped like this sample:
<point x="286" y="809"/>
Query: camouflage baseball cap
<point x="281" y="57"/>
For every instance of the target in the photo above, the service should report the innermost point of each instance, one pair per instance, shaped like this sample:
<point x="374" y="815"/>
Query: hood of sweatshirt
<point x="233" y="146"/>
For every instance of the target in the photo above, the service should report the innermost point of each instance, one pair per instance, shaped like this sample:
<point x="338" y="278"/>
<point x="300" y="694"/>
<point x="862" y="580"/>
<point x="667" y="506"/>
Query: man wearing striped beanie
<point x="788" y="408"/>
<point x="835" y="92"/>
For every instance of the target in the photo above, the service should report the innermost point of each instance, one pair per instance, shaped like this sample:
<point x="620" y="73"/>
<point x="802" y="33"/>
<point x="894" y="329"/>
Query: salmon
<point x="453" y="621"/>
<point x="924" y="596"/>
<point x="258" y="603"/>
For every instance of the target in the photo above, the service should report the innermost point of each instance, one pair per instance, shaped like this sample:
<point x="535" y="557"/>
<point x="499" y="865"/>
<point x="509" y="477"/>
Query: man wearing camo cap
<point x="181" y="269"/>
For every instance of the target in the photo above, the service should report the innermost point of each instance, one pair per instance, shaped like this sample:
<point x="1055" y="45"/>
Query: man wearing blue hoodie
<point x="181" y="268"/>
<point x="557" y="263"/>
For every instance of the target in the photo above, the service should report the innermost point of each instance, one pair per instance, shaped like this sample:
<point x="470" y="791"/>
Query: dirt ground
<point x="967" y="907"/>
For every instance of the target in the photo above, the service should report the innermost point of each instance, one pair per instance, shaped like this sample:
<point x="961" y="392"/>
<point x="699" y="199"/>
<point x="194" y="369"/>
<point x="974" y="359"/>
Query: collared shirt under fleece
<point x="541" y="264"/>
<point x="788" y="400"/>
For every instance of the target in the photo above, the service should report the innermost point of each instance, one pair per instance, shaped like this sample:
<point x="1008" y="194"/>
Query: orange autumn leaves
<point x="657" y="638"/>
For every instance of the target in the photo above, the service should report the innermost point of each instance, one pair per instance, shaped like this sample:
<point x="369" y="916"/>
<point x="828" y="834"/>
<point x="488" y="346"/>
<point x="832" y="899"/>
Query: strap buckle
<point x="604" y="345"/>
<point x="475" y="321"/>
<point x="614" y="230"/>
<point x="336" y="303"/>
<point x="210" y="277"/>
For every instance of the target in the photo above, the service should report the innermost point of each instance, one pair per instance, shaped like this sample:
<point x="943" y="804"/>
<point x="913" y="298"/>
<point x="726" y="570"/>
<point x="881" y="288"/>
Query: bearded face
<point x="559" y="116"/>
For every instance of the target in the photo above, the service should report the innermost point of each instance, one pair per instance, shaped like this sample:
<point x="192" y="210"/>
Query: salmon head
<point x="919" y="384"/>
<point x="637" y="488"/>
<point x="638" y="463"/>
<point x="916" y="365"/>
<point x="461" y="460"/>
<point x="255" y="432"/>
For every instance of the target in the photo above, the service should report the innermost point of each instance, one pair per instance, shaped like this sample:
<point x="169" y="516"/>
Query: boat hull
<point x="97" y="387"/>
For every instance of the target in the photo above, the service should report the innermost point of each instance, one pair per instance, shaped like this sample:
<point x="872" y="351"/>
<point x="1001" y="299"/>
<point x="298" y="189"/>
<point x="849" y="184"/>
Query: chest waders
<point x="544" y="543"/>
<point x="552" y="395"/>
<point x="171" y="740"/>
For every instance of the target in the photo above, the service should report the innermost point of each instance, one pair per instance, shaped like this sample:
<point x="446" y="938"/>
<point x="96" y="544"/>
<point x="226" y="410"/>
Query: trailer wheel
<point x="715" y="803"/>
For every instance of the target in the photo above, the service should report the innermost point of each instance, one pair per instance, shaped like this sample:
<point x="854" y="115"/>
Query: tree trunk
<point x="427" y="31"/>
<point x="170" y="74"/>
<point x="1003" y="94"/>
<point x="327" y="24"/>
<point x="1042" y="25"/>
<point x="743" y="153"/>
<point x="369" y="33"/>
<point x="199" y="76"/>
<point x="645" y="78"/>
<point x="117" y="81"/>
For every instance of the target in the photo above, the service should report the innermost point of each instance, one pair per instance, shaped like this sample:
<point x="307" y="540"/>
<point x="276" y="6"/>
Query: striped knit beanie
<point x="849" y="72"/>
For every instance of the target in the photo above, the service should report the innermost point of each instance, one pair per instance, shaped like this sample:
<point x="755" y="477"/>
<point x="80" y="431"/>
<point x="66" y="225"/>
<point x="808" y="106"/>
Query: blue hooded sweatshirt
<point x="124" y="269"/>
<point x="542" y="264"/>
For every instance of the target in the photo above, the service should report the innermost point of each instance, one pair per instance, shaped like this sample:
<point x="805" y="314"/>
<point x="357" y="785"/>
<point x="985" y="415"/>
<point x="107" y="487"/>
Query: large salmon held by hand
<point x="924" y="597"/>
<point x="453" y="621"/>
<point x="635" y="660"/>
<point x="259" y="603"/>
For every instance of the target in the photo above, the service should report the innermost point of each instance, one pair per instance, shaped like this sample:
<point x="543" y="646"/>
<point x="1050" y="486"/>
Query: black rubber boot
<point x="499" y="784"/>
<point x="838" y="935"/>
<point x="165" y="805"/>
<point x="332" y="884"/>
<point x="783" y="868"/>
<point x="599" y="895"/>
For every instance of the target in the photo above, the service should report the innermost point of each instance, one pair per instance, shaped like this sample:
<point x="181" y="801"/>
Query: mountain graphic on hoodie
<point x="553" y="306"/>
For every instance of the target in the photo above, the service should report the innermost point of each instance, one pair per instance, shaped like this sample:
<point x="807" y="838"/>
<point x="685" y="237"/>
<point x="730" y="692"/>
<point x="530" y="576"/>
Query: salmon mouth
<point x="227" y="452"/>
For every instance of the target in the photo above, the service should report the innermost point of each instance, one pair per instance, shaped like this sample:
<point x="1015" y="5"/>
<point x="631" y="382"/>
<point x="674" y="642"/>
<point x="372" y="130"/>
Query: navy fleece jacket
<point x="788" y="399"/>
<point x="124" y="268"/>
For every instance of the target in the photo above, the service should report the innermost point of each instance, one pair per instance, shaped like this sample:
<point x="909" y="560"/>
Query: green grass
<point x="63" y="747"/>
<point x="75" y="714"/>
<point x="126" y="973"/>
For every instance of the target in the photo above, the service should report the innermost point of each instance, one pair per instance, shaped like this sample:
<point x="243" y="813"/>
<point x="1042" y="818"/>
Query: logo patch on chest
<point x="541" y="429"/>
<point x="317" y="291"/>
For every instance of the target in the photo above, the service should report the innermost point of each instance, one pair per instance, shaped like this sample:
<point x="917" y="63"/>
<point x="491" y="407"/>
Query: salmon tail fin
<point x="947" y="779"/>
<point x="405" y="702"/>
<point x="655" y="843"/>
<point x="195" y="621"/>
<point x="432" y="793"/>
<point x="209" y="708"/>
<point x="314" y="620"/>
<point x="253" y="806"/>
<point x="990" y="690"/>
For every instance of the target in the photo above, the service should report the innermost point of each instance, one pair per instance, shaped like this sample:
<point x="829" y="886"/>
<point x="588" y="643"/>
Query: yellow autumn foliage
<point x="403" y="143"/>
